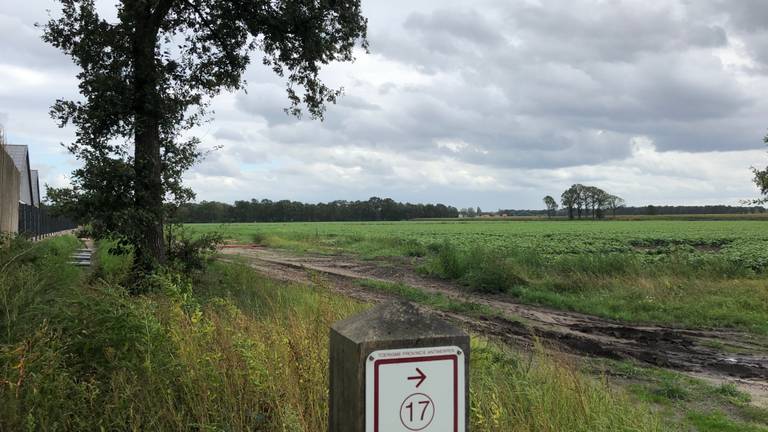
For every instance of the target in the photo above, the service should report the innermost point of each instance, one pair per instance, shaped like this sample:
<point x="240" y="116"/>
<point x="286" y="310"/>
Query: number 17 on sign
<point x="416" y="390"/>
<point x="424" y="405"/>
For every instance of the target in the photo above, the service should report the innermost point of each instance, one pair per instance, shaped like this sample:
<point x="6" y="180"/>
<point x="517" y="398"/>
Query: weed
<point x="692" y="404"/>
<point x="447" y="262"/>
<point x="259" y="238"/>
<point x="487" y="271"/>
<point x="543" y="392"/>
<point x="672" y="390"/>
<point x="719" y="422"/>
<point x="479" y="269"/>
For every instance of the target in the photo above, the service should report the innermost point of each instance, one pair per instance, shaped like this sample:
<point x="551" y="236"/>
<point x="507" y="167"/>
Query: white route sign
<point x="415" y="390"/>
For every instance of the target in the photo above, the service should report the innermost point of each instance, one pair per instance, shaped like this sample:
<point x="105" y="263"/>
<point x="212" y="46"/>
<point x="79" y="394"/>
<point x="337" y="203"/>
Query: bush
<point x="447" y="262"/>
<point x="413" y="248"/>
<point x="480" y="269"/>
<point x="259" y="238"/>
<point x="189" y="253"/>
<point x="488" y="272"/>
<point x="85" y="232"/>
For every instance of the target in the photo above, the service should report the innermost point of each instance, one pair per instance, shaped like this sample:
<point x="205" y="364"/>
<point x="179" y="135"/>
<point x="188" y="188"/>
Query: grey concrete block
<point x="396" y="325"/>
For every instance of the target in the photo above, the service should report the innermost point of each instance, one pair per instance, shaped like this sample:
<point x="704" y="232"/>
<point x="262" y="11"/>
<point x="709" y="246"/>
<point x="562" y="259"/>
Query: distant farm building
<point x="9" y="193"/>
<point x="21" y="210"/>
<point x="29" y="192"/>
<point x="35" y="188"/>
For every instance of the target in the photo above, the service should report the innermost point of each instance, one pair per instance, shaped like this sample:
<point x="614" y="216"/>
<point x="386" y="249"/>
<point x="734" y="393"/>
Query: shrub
<point x="480" y="269"/>
<point x="192" y="253"/>
<point x="447" y="262"/>
<point x="85" y="232"/>
<point x="259" y="238"/>
<point x="489" y="272"/>
<point x="413" y="248"/>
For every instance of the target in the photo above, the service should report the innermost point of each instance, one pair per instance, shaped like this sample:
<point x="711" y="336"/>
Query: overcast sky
<point x="491" y="103"/>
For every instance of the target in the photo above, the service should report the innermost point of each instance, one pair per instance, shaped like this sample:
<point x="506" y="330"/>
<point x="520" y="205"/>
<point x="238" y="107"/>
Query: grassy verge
<point x="741" y="303"/>
<point x="30" y="274"/>
<point x="689" y="403"/>
<point x="686" y="403"/>
<point x="112" y="269"/>
<point x="231" y="350"/>
<point x="704" y="293"/>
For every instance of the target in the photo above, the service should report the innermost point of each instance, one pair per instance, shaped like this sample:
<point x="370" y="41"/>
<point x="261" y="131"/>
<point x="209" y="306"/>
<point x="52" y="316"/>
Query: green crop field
<point x="688" y="273"/>
<point x="742" y="243"/>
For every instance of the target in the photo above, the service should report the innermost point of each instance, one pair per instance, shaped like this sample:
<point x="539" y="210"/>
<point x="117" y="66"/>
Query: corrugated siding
<point x="20" y="156"/>
<point x="35" y="188"/>
<point x="10" y="181"/>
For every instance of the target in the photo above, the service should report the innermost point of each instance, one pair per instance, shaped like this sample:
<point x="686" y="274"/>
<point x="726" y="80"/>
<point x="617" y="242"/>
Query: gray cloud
<point x="454" y="25"/>
<point x="627" y="68"/>
<point x="749" y="16"/>
<point x="21" y="43"/>
<point x="474" y="101"/>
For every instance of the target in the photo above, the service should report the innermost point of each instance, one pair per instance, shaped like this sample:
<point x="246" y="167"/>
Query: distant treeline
<point x="653" y="210"/>
<point x="374" y="209"/>
<point x="672" y="210"/>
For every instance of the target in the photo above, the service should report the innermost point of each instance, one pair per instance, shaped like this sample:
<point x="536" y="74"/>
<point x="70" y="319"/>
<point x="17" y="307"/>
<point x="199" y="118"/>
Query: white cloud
<point x="489" y="103"/>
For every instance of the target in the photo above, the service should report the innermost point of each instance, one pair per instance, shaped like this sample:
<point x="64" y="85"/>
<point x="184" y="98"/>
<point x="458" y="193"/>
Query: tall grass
<point x="231" y="350"/>
<point x="29" y="276"/>
<point x="479" y="269"/>
<point x="705" y="291"/>
<point x="545" y="392"/>
<point x="112" y="269"/>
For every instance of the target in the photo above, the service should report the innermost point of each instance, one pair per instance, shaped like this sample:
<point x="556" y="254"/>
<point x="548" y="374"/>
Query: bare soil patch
<point x="692" y="351"/>
<point x="709" y="248"/>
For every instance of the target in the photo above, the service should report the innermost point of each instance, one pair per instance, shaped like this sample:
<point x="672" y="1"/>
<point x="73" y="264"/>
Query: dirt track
<point x="694" y="351"/>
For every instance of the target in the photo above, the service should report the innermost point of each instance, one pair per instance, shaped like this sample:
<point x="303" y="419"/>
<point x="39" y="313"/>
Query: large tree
<point x="596" y="199"/>
<point x="615" y="202"/>
<point x="551" y="205"/>
<point x="590" y="199"/>
<point x="148" y="75"/>
<point x="569" y="198"/>
<point x="761" y="180"/>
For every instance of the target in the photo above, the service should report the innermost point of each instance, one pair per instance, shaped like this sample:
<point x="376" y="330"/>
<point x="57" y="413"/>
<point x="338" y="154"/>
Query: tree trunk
<point x="148" y="189"/>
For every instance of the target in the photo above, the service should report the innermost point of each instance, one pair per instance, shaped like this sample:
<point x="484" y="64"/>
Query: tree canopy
<point x="373" y="209"/>
<point x="551" y="205"/>
<point x="580" y="200"/>
<point x="148" y="76"/>
<point x="761" y="180"/>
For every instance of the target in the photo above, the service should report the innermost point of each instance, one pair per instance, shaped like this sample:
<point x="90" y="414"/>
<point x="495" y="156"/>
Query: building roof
<point x="35" y="188"/>
<point x="20" y="156"/>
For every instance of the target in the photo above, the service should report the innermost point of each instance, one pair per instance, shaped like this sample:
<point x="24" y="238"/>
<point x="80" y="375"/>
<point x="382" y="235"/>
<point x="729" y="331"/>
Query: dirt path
<point x="696" y="351"/>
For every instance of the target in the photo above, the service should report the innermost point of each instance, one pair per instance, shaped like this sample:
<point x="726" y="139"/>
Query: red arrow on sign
<point x="421" y="377"/>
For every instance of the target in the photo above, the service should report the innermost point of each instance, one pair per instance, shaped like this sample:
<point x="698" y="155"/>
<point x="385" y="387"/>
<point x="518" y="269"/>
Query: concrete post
<point x="397" y="368"/>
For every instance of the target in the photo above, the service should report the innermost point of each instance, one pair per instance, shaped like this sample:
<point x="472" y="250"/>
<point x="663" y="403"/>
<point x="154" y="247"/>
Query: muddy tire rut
<point x="694" y="351"/>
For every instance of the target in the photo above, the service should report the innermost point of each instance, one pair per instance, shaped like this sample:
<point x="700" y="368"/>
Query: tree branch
<point x="160" y="12"/>
<point x="206" y="23"/>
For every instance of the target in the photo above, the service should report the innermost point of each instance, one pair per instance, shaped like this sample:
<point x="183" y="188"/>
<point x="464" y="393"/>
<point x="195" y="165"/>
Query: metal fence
<point x="36" y="223"/>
